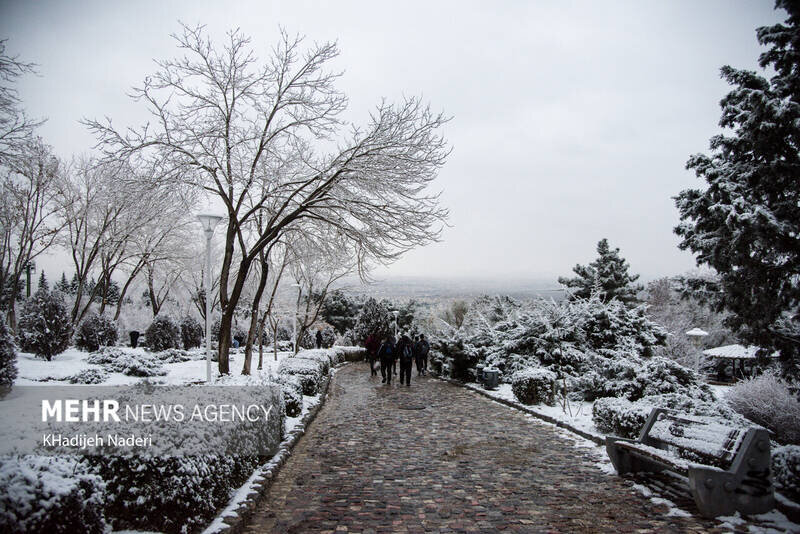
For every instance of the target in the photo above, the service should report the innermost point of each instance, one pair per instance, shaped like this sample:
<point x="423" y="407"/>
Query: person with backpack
<point x="405" y="353"/>
<point x="422" y="350"/>
<point x="387" y="355"/>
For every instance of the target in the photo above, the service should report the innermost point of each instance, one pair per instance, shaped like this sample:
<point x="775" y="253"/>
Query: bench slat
<point x="698" y="439"/>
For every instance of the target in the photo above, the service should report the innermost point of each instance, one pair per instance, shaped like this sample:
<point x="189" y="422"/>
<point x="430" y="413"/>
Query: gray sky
<point x="572" y="121"/>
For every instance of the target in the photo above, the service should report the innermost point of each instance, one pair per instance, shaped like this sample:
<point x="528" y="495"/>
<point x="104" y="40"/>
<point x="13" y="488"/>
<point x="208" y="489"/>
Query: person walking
<point x="417" y="356"/>
<point x="387" y="355"/>
<point x="423" y="348"/>
<point x="372" y="344"/>
<point x="319" y="339"/>
<point x="405" y="353"/>
<point x="394" y="362"/>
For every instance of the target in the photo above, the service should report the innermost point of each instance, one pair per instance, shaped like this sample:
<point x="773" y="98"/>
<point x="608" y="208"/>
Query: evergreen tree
<point x="340" y="311"/>
<point x="374" y="319"/>
<point x="8" y="358"/>
<point x="607" y="277"/>
<point x="62" y="285"/>
<point x="73" y="285"/>
<point x="44" y="326"/>
<point x="745" y="223"/>
<point x="43" y="281"/>
<point x="96" y="331"/>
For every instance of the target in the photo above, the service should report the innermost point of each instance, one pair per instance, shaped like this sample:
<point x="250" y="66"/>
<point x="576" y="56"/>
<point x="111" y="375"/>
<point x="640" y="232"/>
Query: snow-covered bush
<point x="96" y="331"/>
<point x="173" y="356"/>
<point x="619" y="416"/>
<point x="8" y="358"/>
<point x="116" y="360"/>
<point x="49" y="494"/>
<point x="292" y="389"/>
<point x="191" y="332"/>
<point x="163" y="334"/>
<point x="168" y="493"/>
<point x="309" y="372"/>
<point x="45" y="327"/>
<point x="786" y="469"/>
<point x="88" y="376"/>
<point x="534" y="386"/>
<point x="192" y="470"/>
<point x="320" y="356"/>
<point x="767" y="401"/>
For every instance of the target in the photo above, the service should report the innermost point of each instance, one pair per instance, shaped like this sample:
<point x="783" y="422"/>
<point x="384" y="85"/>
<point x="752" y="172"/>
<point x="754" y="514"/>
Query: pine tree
<point x="745" y="223"/>
<point x="62" y="286"/>
<point x="73" y="285"/>
<point x="43" y="282"/>
<point x="606" y="277"/>
<point x="44" y="326"/>
<point x="8" y="358"/>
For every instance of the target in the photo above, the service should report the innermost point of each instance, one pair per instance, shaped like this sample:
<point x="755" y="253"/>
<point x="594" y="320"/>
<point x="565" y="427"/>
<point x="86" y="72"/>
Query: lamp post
<point x="294" y="318"/>
<point x="696" y="335"/>
<point x="209" y="222"/>
<point x="396" y="314"/>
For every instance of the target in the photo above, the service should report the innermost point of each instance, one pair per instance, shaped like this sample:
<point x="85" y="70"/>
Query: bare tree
<point x="220" y="120"/>
<point x="16" y="128"/>
<point x="30" y="218"/>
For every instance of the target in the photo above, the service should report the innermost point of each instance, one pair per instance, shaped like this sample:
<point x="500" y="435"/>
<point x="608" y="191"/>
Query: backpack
<point x="407" y="353"/>
<point x="386" y="349"/>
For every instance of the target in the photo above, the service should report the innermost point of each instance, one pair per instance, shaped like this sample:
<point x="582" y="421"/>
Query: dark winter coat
<point x="402" y="353"/>
<point x="387" y="351"/>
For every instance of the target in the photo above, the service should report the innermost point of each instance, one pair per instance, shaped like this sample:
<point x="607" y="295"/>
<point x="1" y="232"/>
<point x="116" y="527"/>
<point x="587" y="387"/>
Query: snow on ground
<point x="719" y="391"/>
<point x="33" y="371"/>
<point x="576" y="414"/>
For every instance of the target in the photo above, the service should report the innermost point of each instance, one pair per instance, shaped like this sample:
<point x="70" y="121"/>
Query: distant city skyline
<point x="571" y="122"/>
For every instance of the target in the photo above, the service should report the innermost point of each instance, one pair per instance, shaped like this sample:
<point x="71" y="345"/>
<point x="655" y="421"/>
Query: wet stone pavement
<point x="435" y="457"/>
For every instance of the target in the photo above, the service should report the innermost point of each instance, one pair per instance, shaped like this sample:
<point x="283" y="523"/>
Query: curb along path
<point x="435" y="457"/>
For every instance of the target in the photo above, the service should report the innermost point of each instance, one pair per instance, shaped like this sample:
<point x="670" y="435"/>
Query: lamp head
<point x="209" y="221"/>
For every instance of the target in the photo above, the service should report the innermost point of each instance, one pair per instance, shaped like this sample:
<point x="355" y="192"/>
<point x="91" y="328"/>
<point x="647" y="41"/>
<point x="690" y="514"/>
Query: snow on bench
<point x="727" y="467"/>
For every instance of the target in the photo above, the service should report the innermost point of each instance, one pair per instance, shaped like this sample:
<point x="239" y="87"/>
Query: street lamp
<point x="294" y="318"/>
<point x="696" y="335"/>
<point x="209" y="222"/>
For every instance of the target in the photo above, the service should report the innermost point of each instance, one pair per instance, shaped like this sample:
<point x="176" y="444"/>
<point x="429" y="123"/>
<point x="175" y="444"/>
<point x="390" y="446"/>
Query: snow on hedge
<point x="50" y="494"/>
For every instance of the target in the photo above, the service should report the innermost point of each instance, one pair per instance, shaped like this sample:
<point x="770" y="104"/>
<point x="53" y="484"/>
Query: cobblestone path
<point x="435" y="457"/>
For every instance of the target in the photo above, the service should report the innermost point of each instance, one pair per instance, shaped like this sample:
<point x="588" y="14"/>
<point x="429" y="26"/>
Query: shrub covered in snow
<point x="163" y="334"/>
<point x="309" y="372"/>
<point x="633" y="378"/>
<point x="320" y="356"/>
<point x="534" y="386"/>
<point x="8" y="358"/>
<point x="292" y="400"/>
<point x="173" y="356"/>
<point x="169" y="493"/>
<point x="49" y="494"/>
<point x="45" y="327"/>
<point x="191" y="332"/>
<point x="96" y="331"/>
<point x="115" y="360"/>
<point x="88" y="376"/>
<point x="786" y="469"/>
<point x="619" y="416"/>
<point x="767" y="401"/>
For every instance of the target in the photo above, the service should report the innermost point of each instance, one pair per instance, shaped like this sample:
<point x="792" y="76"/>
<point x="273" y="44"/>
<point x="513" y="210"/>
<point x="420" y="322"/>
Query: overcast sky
<point x="572" y="121"/>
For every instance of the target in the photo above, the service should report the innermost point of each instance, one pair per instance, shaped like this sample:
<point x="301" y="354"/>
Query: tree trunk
<point x="228" y="305"/>
<point x="261" y="341"/>
<point x="251" y="333"/>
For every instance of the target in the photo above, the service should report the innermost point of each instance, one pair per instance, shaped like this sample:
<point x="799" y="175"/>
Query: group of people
<point x="389" y="352"/>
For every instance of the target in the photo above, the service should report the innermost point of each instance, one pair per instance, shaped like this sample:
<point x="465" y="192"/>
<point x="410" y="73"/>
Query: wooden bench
<point x="728" y="468"/>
